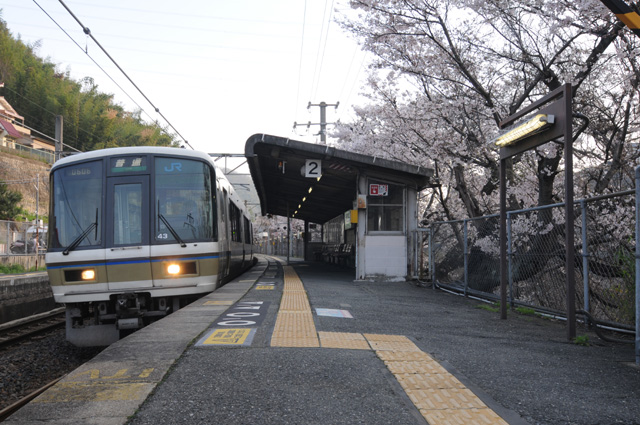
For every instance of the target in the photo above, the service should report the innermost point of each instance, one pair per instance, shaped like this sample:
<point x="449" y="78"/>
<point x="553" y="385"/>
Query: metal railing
<point x="464" y="256"/>
<point x="279" y="247"/>
<point x="39" y="154"/>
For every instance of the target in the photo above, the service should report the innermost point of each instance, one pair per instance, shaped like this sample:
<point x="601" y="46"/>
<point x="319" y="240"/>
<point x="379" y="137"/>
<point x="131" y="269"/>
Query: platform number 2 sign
<point x="313" y="168"/>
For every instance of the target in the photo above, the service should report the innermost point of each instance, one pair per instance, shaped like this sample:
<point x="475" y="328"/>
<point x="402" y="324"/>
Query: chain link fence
<point x="22" y="238"/>
<point x="279" y="247"/>
<point x="464" y="256"/>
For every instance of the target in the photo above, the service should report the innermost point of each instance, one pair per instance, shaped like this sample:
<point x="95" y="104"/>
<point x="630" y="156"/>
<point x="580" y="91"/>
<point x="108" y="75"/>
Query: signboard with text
<point x="378" y="190"/>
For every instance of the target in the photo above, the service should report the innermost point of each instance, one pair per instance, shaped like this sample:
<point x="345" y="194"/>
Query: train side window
<point x="234" y="218"/>
<point x="247" y="231"/>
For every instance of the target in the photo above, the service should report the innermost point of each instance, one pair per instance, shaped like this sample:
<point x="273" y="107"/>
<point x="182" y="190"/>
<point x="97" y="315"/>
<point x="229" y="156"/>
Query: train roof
<point x="157" y="150"/>
<point x="100" y="153"/>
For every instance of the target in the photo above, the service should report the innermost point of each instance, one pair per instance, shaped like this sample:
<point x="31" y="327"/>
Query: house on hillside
<point x="15" y="135"/>
<point x="9" y="134"/>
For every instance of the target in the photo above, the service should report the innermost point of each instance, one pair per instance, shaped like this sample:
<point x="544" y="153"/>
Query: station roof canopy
<point x="278" y="164"/>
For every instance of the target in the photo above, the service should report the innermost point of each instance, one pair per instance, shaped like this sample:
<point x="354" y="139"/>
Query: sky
<point x="218" y="70"/>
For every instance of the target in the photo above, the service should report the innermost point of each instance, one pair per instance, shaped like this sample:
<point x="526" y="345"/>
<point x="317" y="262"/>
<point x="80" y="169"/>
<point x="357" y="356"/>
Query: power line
<point x="34" y="180"/>
<point x="315" y="69"/>
<point x="87" y="53"/>
<point x="87" y="31"/>
<point x="34" y="118"/>
<point x="324" y="49"/>
<point x="304" y="22"/>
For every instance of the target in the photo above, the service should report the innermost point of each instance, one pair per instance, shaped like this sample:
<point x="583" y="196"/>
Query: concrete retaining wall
<point x="24" y="295"/>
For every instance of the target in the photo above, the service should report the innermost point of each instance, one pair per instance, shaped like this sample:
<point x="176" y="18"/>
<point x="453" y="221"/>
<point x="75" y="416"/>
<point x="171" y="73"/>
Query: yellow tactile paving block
<point x="293" y="287"/>
<point x="462" y="417"/>
<point x="301" y="323"/>
<point x="415" y="367"/>
<point x="387" y="338"/>
<point x="445" y="398"/>
<point x="380" y="342"/>
<point x="353" y="341"/>
<point x="421" y="381"/>
<point x="405" y="356"/>
<point x="393" y="346"/>
<point x="295" y="301"/>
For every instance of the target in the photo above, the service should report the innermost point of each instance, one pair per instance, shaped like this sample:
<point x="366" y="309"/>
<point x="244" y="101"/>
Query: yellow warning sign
<point x="218" y="303"/>
<point x="227" y="337"/>
<point x="264" y="286"/>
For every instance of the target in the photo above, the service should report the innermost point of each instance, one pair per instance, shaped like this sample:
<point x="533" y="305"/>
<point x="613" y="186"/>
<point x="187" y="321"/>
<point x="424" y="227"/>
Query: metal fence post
<point x="465" y="255"/>
<point x="585" y="257"/>
<point x="637" y="265"/>
<point x="510" y="258"/>
<point x="432" y="264"/>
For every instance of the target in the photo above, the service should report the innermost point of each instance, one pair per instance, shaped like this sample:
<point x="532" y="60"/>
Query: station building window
<point x="385" y="207"/>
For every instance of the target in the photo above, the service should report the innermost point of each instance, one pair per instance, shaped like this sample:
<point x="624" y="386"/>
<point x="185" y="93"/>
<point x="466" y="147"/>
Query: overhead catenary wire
<point x="304" y="22"/>
<point x="320" y="55"/>
<point x="25" y="181"/>
<point x="92" y="60"/>
<point x="87" y="31"/>
<point x="33" y="130"/>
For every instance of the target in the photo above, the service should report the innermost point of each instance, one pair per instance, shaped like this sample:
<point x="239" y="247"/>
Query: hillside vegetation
<point x="39" y="91"/>
<point x="21" y="175"/>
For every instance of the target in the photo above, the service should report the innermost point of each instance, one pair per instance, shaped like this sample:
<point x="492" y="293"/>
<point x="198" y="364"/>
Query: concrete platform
<point x="305" y="344"/>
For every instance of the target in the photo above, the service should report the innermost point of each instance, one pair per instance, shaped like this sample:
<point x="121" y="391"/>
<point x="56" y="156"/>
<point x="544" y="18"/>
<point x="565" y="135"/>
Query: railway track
<point x="10" y="410"/>
<point x="28" y="327"/>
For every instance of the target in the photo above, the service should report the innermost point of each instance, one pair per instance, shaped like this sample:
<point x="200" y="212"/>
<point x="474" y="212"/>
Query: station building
<point x="367" y="206"/>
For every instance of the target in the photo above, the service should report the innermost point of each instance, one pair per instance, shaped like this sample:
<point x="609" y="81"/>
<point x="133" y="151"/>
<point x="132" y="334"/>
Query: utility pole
<point x="323" y="119"/>
<point x="37" y="244"/>
<point x="58" y="137"/>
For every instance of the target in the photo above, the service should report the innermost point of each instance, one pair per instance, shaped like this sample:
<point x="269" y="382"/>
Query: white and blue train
<point x="136" y="233"/>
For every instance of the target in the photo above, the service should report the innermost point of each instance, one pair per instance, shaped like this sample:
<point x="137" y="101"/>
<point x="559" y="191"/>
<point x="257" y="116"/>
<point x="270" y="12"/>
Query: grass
<point x="581" y="340"/>
<point x="18" y="268"/>
<point x="526" y="311"/>
<point x="490" y="307"/>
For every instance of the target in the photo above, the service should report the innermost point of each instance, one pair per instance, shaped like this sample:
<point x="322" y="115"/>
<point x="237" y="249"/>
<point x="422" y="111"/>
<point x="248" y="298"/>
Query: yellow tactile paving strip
<point x="294" y="325"/>
<point x="353" y="341"/>
<point x="441" y="398"/>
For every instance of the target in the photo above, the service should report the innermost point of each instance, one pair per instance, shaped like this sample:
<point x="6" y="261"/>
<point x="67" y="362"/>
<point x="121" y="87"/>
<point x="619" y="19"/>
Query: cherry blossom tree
<point x="444" y="73"/>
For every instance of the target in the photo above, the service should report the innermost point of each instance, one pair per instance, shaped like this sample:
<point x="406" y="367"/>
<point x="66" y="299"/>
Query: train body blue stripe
<point x="141" y="261"/>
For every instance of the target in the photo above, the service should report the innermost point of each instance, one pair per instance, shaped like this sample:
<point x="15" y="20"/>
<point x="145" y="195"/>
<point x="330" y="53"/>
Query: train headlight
<point x="88" y="274"/>
<point x="173" y="269"/>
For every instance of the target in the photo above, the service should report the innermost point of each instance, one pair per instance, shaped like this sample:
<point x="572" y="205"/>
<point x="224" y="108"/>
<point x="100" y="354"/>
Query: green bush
<point x="11" y="268"/>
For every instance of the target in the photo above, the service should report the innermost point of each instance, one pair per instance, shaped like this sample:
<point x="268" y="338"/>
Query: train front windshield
<point x="77" y="206"/>
<point x="175" y="205"/>
<point x="183" y="200"/>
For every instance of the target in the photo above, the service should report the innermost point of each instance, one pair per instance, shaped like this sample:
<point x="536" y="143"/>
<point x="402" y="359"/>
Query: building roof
<point x="10" y="129"/>
<point x="277" y="167"/>
<point x="7" y="109"/>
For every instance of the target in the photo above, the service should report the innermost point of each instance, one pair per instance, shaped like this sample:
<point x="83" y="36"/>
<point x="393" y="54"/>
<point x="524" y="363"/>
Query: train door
<point x="128" y="251"/>
<point x="225" y="246"/>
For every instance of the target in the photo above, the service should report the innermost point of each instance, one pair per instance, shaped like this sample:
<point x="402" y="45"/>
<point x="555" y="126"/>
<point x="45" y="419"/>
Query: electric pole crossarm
<point x="323" y="119"/>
